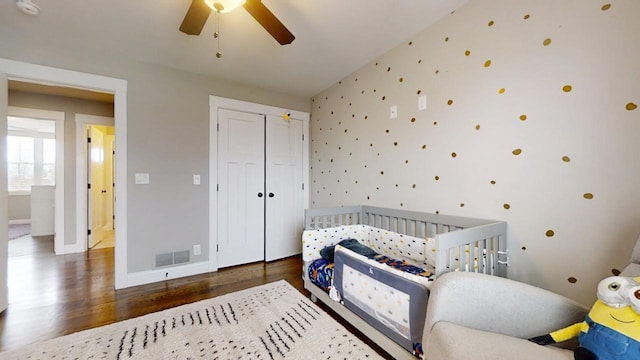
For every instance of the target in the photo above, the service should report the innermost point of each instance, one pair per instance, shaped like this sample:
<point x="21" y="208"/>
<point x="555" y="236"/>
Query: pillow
<point x="351" y="244"/>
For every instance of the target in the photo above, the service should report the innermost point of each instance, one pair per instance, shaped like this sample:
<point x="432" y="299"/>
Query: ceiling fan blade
<point x="269" y="21"/>
<point x="195" y="18"/>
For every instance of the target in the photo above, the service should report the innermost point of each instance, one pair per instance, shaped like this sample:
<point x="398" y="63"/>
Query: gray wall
<point x="19" y="207"/>
<point x="530" y="119"/>
<point x="70" y="107"/>
<point x="167" y="133"/>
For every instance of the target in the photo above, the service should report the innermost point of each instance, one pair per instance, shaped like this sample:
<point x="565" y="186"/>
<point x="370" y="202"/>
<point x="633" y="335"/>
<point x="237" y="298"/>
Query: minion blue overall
<point x="611" y="330"/>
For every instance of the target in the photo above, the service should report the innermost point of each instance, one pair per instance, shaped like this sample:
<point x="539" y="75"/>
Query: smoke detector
<point x="27" y="7"/>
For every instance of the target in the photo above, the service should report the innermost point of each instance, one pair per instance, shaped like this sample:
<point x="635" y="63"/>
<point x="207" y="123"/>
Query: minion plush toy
<point x="611" y="330"/>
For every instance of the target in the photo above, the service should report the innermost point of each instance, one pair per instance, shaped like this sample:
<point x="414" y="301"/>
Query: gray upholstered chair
<point x="476" y="316"/>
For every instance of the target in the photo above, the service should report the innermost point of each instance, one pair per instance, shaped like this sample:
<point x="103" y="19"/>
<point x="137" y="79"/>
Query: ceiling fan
<point x="199" y="11"/>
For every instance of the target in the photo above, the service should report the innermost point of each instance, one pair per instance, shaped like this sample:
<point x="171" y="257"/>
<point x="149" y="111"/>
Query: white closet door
<point x="284" y="203"/>
<point x="241" y="187"/>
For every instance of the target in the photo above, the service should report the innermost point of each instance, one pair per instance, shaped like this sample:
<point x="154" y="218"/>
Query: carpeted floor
<point x="272" y="321"/>
<point x="19" y="230"/>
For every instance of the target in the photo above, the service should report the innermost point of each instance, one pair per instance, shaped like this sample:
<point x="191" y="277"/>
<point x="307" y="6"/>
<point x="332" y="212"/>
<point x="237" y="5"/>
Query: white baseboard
<point x="19" y="221"/>
<point x="168" y="273"/>
<point x="73" y="248"/>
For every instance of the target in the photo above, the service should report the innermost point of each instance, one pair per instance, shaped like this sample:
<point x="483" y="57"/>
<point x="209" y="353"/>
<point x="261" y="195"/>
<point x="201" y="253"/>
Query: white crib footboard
<point x="481" y="249"/>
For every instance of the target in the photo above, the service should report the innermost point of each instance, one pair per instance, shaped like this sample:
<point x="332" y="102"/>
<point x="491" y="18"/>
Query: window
<point x="31" y="153"/>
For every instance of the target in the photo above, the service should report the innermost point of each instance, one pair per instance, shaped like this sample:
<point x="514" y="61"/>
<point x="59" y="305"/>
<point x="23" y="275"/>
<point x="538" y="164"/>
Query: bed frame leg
<point x="314" y="298"/>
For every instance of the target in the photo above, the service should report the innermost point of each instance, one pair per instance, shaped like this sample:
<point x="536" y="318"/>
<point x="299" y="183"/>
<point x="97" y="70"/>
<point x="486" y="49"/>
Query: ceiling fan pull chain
<point x="217" y="33"/>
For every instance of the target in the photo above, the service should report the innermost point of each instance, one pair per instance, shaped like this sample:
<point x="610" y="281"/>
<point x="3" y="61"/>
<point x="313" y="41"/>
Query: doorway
<point x="36" y="171"/>
<point x="100" y="195"/>
<point x="95" y="181"/>
<point x="18" y="70"/>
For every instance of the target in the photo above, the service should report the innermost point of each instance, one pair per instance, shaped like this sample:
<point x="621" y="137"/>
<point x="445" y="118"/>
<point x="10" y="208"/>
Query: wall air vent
<point x="173" y="258"/>
<point x="164" y="259"/>
<point x="181" y="257"/>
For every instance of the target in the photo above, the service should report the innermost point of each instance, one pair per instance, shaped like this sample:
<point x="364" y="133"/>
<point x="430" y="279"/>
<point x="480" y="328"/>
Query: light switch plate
<point x="422" y="102"/>
<point x="196" y="179"/>
<point x="142" y="179"/>
<point x="393" y="112"/>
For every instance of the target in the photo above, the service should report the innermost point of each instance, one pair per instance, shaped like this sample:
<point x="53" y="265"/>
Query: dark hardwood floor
<point x="50" y="295"/>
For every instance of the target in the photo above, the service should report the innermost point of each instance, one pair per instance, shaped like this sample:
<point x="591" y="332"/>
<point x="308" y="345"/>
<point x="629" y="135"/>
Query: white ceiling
<point x="333" y="37"/>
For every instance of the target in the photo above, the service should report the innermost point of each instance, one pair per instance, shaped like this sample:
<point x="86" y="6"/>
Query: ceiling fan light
<point x="224" y="6"/>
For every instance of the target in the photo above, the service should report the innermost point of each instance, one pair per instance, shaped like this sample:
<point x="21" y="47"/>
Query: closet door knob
<point x="271" y="195"/>
<point x="259" y="194"/>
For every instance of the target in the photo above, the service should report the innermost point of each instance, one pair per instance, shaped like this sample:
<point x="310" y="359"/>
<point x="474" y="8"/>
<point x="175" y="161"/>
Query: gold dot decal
<point x="419" y="92"/>
<point x="631" y="106"/>
<point x="493" y="182"/>
<point x="501" y="91"/>
<point x="606" y="7"/>
<point x="449" y="102"/>
<point x="467" y="53"/>
<point x="517" y="152"/>
<point x="446" y="39"/>
<point x="401" y="80"/>
<point x="524" y="248"/>
<point x="566" y="158"/>
<point x="526" y="17"/>
<point x="546" y="42"/>
<point x="588" y="196"/>
<point x="478" y="127"/>
<point x="615" y="272"/>
<point x="550" y="233"/>
<point x="490" y="23"/>
<point x="506" y="206"/>
<point x="413" y="119"/>
<point x="572" y="280"/>
<point x="487" y="63"/>
<point x="437" y="177"/>
<point x="462" y="205"/>
<point x="523" y="117"/>
<point x="453" y="154"/>
<point x="424" y="147"/>
<point x="567" y="88"/>
<point x="437" y="71"/>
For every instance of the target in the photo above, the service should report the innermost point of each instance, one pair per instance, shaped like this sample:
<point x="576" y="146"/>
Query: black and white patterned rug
<point x="272" y="321"/>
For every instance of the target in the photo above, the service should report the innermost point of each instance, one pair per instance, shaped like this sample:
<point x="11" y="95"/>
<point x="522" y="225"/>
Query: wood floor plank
<point x="50" y="295"/>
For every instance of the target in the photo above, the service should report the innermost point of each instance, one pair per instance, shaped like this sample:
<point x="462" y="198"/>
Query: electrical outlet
<point x="393" y="112"/>
<point x="196" y="250"/>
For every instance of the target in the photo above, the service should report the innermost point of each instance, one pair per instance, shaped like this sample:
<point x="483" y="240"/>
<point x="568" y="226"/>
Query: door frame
<point x="18" y="70"/>
<point x="59" y="118"/>
<point x="216" y="103"/>
<point x="82" y="120"/>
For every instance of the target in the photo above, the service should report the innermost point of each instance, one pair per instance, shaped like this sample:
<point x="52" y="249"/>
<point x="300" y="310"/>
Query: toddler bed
<point x="381" y="262"/>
